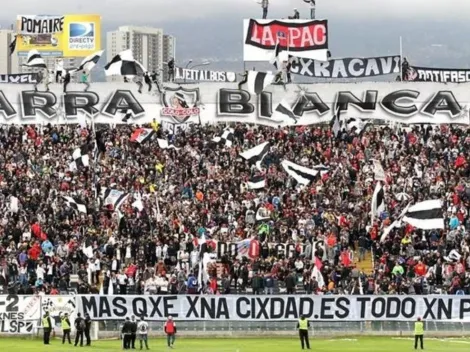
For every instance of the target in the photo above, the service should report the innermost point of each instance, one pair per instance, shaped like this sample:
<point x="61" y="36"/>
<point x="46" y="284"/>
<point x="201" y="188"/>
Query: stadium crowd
<point x="200" y="188"/>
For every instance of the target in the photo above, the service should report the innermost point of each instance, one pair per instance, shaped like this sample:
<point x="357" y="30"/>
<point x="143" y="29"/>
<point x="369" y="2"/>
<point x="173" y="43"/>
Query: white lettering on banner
<point x="14" y="307"/>
<point x="210" y="103"/>
<point x="307" y="38"/>
<point x="265" y="308"/>
<point x="40" y="24"/>
<point x="57" y="306"/>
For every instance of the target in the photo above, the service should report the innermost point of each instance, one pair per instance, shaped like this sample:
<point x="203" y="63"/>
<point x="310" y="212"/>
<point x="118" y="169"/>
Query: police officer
<point x="303" y="325"/>
<point x="133" y="332"/>
<point x="87" y="329"/>
<point x="419" y="333"/>
<point x="126" y="334"/>
<point x="80" y="328"/>
<point x="47" y="328"/>
<point x="65" y="324"/>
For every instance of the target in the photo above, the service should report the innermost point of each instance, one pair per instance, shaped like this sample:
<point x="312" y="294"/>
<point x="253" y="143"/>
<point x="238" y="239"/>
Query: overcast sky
<point x="154" y="11"/>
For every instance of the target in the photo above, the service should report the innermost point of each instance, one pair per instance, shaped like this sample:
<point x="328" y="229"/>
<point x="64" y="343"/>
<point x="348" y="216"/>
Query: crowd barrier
<point x="249" y="314"/>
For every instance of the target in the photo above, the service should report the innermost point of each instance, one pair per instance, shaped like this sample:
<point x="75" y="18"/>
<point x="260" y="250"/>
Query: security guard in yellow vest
<point x="419" y="333"/>
<point x="303" y="325"/>
<point x="47" y="328"/>
<point x="65" y="324"/>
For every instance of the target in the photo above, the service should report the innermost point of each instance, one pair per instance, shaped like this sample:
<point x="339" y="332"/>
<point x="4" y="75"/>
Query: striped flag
<point x="89" y="62"/>
<point x="256" y="154"/>
<point x="243" y="248"/>
<point x="426" y="215"/>
<point x="72" y="203"/>
<point x="113" y="197"/>
<point x="256" y="182"/>
<point x="124" y="64"/>
<point x="283" y="112"/>
<point x="35" y="60"/>
<point x="257" y="82"/>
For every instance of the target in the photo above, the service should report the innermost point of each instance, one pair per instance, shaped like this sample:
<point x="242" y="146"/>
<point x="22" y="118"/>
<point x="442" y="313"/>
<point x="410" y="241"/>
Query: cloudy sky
<point x="161" y="10"/>
<point x="434" y="32"/>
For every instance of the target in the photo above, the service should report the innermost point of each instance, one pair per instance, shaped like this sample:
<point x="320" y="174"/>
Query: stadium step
<point x="366" y="265"/>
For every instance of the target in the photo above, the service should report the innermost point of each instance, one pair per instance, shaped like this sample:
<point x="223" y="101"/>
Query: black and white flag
<point x="226" y="137"/>
<point x="89" y="62"/>
<point x="163" y="144"/>
<point x="256" y="154"/>
<point x="113" y="197"/>
<point x="80" y="158"/>
<point x="426" y="215"/>
<point x="378" y="200"/>
<point x="124" y="64"/>
<point x="302" y="174"/>
<point x="428" y="74"/>
<point x="379" y="172"/>
<point x="347" y="67"/>
<point x="13" y="45"/>
<point x="72" y="203"/>
<point x="355" y="124"/>
<point x="275" y="58"/>
<point x="336" y="124"/>
<point x="35" y="60"/>
<point x="257" y="82"/>
<point x="256" y="182"/>
<point x="283" y="112"/>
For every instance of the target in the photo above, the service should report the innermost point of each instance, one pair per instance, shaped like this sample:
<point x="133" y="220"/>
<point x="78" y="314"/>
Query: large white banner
<point x="271" y="308"/>
<point x="214" y="103"/>
<point x="57" y="306"/>
<point x="19" y="314"/>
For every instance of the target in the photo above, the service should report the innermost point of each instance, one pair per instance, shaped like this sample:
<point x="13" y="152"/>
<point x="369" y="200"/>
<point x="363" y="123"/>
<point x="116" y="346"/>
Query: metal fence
<point x="110" y="329"/>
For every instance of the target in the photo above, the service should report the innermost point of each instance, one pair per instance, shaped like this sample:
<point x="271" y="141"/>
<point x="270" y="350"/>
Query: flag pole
<point x="401" y="58"/>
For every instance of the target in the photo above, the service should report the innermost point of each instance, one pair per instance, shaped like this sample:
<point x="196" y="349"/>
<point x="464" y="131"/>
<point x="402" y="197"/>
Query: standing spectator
<point x="87" y="329"/>
<point x="59" y="68"/>
<point x="84" y="79"/>
<point x="80" y="326"/>
<point x="66" y="81"/>
<point x="312" y="8"/>
<point x="126" y="332"/>
<point x="133" y="331"/>
<point x="264" y="6"/>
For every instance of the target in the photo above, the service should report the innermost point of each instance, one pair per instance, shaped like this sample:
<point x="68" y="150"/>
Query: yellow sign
<point x="80" y="35"/>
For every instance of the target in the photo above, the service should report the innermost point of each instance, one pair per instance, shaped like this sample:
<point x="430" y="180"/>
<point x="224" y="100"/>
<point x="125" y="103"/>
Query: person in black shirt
<point x="87" y="329"/>
<point x="133" y="332"/>
<point x="126" y="334"/>
<point x="148" y="81"/>
<point x="171" y="70"/>
<point x="80" y="326"/>
<point x="66" y="81"/>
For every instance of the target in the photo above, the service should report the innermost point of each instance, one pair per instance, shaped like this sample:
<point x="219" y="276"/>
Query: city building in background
<point x="149" y="46"/>
<point x="8" y="63"/>
<point x="169" y="52"/>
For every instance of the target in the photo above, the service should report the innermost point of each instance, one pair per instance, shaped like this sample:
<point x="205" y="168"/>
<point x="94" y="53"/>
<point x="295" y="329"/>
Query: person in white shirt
<point x="59" y="68"/>
<point x="312" y="8"/>
<point x="142" y="331"/>
<point x="151" y="286"/>
<point x="40" y="272"/>
<point x="122" y="282"/>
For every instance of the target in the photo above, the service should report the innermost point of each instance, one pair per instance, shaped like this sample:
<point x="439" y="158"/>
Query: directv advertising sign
<point x="59" y="36"/>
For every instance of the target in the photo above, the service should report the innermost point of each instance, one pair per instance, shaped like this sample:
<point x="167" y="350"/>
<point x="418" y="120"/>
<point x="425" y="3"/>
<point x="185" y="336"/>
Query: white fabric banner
<point x="379" y="172"/>
<point x="271" y="308"/>
<point x="211" y="103"/>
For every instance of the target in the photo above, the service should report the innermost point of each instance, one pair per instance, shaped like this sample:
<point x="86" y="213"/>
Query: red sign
<point x="294" y="36"/>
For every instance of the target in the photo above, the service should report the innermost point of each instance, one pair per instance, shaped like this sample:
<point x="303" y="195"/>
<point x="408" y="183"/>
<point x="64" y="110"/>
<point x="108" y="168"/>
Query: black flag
<point x="13" y="46"/>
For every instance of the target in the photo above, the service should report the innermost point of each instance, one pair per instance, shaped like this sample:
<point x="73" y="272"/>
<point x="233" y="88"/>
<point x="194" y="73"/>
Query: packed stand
<point x="199" y="187"/>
